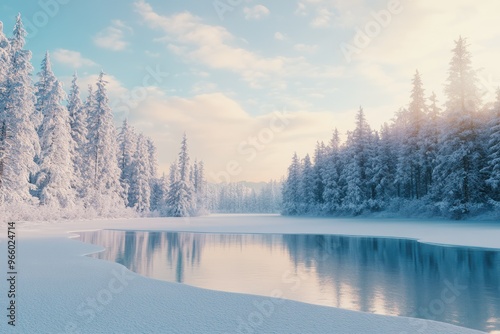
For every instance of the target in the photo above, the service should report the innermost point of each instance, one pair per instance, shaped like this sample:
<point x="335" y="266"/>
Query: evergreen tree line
<point x="440" y="161"/>
<point x="70" y="156"/>
<point x="240" y="197"/>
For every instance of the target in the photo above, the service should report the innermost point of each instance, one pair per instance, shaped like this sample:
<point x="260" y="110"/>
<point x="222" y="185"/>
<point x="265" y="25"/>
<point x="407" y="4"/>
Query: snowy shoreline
<point x="56" y="281"/>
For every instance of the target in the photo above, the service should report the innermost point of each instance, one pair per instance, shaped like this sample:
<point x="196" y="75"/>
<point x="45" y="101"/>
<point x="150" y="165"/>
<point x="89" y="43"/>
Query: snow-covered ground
<point x="61" y="291"/>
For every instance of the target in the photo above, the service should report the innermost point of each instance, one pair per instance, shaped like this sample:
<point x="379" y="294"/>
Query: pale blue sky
<point x="228" y="73"/>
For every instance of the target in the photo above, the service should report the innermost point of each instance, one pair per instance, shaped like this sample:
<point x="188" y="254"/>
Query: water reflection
<point x="385" y="276"/>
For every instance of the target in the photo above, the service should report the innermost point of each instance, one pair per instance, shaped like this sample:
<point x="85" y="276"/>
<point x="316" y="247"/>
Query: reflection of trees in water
<point x="138" y="250"/>
<point x="390" y="276"/>
<point x="398" y="273"/>
<point x="182" y="249"/>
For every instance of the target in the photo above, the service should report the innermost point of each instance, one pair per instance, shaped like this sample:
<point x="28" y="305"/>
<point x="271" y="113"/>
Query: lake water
<point x="398" y="277"/>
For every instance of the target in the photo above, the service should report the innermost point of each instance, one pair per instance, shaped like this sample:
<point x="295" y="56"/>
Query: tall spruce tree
<point x="200" y="187"/>
<point x="319" y="174"/>
<point x="43" y="88"/>
<point x="430" y="142"/>
<point x="307" y="186"/>
<point x="55" y="179"/>
<point x="78" y="121"/>
<point x="4" y="57"/>
<point x="181" y="195"/>
<point x="153" y="159"/>
<point x="356" y="170"/>
<point x="385" y="165"/>
<point x="159" y="194"/>
<point x="417" y="111"/>
<point x="171" y="197"/>
<point x="493" y="152"/>
<point x="4" y="67"/>
<point x="332" y="195"/>
<point x="292" y="188"/>
<point x="140" y="187"/>
<point x="459" y="181"/>
<point x="102" y="151"/>
<point x="127" y="146"/>
<point x="20" y="143"/>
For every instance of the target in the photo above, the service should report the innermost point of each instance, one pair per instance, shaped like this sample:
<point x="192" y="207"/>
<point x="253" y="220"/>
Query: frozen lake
<point x="397" y="277"/>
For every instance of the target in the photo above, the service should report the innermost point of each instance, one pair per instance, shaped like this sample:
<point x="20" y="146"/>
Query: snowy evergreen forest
<point x="429" y="160"/>
<point x="65" y="156"/>
<point x="244" y="197"/>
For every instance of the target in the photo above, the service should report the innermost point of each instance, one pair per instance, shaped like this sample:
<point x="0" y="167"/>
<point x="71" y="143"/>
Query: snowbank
<point x="60" y="291"/>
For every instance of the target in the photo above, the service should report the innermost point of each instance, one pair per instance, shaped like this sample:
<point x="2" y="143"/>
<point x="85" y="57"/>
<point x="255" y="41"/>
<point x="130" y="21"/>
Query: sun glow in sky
<point x="251" y="82"/>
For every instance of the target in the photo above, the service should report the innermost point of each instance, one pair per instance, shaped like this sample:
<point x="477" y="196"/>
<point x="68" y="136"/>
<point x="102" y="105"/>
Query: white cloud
<point x="256" y="13"/>
<point x="199" y="73"/>
<point x="203" y="87"/>
<point x="71" y="58"/>
<point x="322" y="19"/>
<point x="280" y="36"/>
<point x="305" y="48"/>
<point x="339" y="13"/>
<point x="214" y="46"/>
<point x="152" y="54"/>
<point x="301" y="9"/>
<point x="112" y="37"/>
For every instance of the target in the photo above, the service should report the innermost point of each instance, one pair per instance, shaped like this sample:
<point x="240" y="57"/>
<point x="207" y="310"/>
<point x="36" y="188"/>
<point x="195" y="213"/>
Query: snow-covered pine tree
<point x="185" y="187"/>
<point x="4" y="56"/>
<point x="182" y="200"/>
<point x="184" y="167"/>
<point x="199" y="187"/>
<point x="20" y="142"/>
<point x="89" y="105"/>
<point x="140" y="187"/>
<point x="403" y="177"/>
<point x="87" y="190"/>
<point x="355" y="172"/>
<point x="385" y="167"/>
<point x="493" y="167"/>
<point x="458" y="172"/>
<point x="102" y="152"/>
<point x="127" y="146"/>
<point x="55" y="179"/>
<point x="159" y="194"/>
<point x="79" y="129"/>
<point x="430" y="142"/>
<point x="153" y="167"/>
<point x="374" y="174"/>
<point x="292" y="187"/>
<point x="417" y="111"/>
<point x="4" y="67"/>
<point x="332" y="194"/>
<point x="191" y="174"/>
<point x="153" y="159"/>
<point x="171" y="198"/>
<point x="319" y="175"/>
<point x="411" y="155"/>
<point x="43" y="88"/>
<point x="307" y="187"/>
